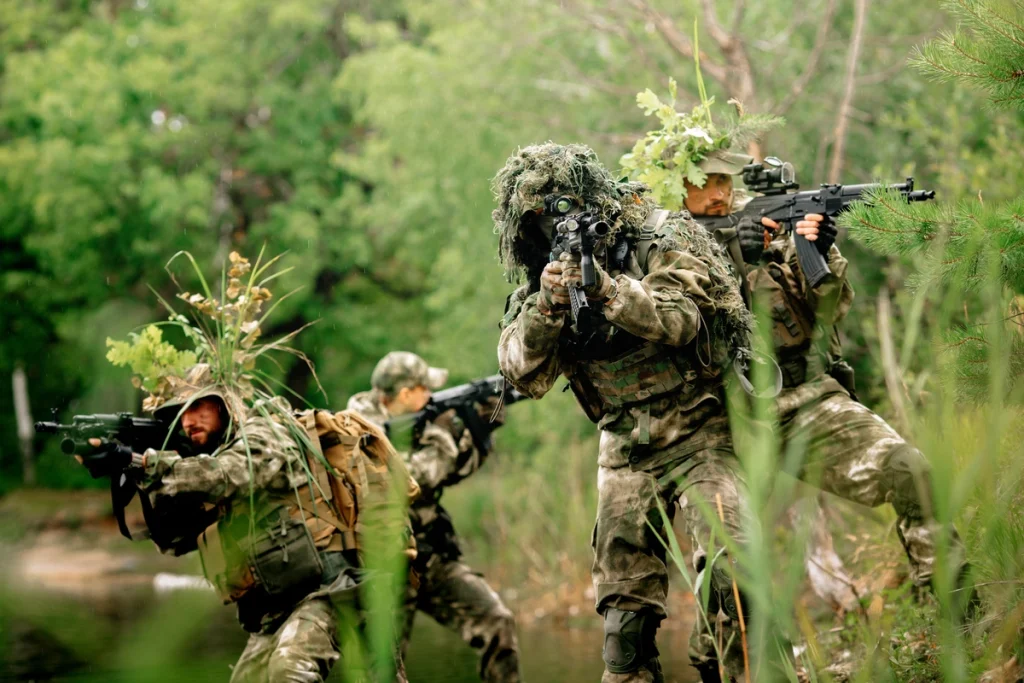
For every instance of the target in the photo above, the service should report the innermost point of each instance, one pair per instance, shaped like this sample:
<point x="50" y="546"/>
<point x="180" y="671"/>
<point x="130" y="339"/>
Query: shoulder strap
<point x="648" y="232"/>
<point x="730" y="239"/>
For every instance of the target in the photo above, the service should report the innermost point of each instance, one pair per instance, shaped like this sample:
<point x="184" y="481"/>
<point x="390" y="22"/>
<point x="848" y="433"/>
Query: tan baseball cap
<point x="403" y="369"/>
<point x="724" y="161"/>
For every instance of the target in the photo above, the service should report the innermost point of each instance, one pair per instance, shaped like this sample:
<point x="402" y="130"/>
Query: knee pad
<point x="628" y="639"/>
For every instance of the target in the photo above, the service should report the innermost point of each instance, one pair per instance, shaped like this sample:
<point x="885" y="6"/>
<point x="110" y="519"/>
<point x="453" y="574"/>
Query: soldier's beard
<point x="205" y="439"/>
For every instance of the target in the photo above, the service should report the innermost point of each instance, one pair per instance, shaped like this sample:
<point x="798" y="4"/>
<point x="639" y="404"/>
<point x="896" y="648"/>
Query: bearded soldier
<point x="443" y="455"/>
<point x="281" y="534"/>
<point x="849" y="450"/>
<point x="669" y="320"/>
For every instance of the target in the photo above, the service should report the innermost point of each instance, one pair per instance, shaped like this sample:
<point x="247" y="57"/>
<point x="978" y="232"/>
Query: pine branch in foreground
<point x="987" y="50"/>
<point x="961" y="240"/>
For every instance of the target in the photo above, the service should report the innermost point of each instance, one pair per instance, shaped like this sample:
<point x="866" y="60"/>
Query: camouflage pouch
<point x="284" y="558"/>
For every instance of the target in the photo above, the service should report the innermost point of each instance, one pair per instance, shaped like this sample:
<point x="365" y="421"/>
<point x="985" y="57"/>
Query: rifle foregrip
<point x="811" y="261"/>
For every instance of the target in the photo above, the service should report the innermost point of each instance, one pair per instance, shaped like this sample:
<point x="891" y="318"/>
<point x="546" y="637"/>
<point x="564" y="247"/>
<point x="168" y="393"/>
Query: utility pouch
<point x="284" y="558"/>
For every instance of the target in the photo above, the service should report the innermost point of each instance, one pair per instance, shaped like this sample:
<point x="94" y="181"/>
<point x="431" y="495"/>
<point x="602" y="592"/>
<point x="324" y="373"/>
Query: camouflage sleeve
<point x="527" y="350"/>
<point x="264" y="457"/>
<point x="667" y="305"/>
<point x="834" y="293"/>
<point x="436" y="460"/>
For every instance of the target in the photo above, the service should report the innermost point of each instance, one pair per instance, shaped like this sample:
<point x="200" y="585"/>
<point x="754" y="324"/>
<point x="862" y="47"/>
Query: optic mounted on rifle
<point x="772" y="176"/>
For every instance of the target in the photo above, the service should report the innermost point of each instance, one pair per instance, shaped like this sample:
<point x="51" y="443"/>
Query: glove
<point x="554" y="297"/>
<point x="106" y="459"/>
<point x="492" y="407"/>
<point x="827" y="231"/>
<point x="752" y="235"/>
<point x="572" y="276"/>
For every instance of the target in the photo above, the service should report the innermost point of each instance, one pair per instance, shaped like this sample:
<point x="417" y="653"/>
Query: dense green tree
<point x="976" y="244"/>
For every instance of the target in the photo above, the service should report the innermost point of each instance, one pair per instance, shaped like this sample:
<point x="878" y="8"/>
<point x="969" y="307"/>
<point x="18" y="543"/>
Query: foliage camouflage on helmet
<point x="225" y="333"/>
<point x="665" y="157"/>
<point x="538" y="170"/>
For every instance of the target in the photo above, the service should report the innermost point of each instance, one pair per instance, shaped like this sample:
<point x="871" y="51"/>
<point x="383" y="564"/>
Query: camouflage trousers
<point x="853" y="453"/>
<point x="630" y="570"/>
<point x="301" y="649"/>
<point x="849" y="451"/>
<point x="460" y="599"/>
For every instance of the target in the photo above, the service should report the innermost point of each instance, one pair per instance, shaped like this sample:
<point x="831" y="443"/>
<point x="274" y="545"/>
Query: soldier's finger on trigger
<point x="95" y="442"/>
<point x="817" y="217"/>
<point x="769" y="223"/>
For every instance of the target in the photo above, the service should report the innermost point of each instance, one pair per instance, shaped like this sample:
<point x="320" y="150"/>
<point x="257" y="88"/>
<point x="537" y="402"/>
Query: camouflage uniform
<point x="449" y="591"/>
<point x="650" y="376"/>
<point x="850" y="451"/>
<point x="847" y="449"/>
<point x="293" y="635"/>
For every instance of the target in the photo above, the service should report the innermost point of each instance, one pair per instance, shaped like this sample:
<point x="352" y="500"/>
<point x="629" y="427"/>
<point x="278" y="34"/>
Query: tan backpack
<point x="359" y="499"/>
<point x="366" y="480"/>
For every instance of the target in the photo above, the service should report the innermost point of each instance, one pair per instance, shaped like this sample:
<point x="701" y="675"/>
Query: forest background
<point x="360" y="138"/>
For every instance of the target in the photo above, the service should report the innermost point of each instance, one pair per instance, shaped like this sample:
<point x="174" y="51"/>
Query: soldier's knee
<point x="909" y="482"/>
<point x="629" y="639"/>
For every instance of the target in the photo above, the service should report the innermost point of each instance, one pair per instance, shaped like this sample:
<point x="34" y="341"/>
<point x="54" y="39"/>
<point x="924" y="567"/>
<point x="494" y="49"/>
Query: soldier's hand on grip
<point x="105" y="458"/>
<point x="572" y="276"/>
<point x="819" y="229"/>
<point x="554" y="297"/>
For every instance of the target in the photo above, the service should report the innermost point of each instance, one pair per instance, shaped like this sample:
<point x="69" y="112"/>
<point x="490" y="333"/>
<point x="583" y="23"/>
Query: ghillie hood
<point x="536" y="171"/>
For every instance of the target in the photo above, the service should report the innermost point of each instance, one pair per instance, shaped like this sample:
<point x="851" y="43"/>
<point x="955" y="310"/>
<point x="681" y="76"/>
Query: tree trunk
<point x="839" y="150"/>
<point x="23" y="414"/>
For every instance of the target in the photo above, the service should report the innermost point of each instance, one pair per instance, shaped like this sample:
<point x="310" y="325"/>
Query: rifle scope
<point x="772" y="176"/>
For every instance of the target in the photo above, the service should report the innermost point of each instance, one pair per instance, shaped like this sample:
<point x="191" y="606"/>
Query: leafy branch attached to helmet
<point x="666" y="157"/>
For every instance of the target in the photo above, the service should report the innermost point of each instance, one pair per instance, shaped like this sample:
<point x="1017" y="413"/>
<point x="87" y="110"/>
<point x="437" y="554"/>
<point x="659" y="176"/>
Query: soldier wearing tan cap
<point x="442" y="455"/>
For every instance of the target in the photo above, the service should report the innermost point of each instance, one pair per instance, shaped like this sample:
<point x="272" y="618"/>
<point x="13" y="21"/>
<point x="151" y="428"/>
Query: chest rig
<point x="613" y="369"/>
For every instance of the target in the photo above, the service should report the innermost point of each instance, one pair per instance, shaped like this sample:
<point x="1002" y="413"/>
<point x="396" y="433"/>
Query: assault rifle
<point x="463" y="399"/>
<point x="136" y="433"/>
<point x="120" y="430"/>
<point x="787" y="207"/>
<point x="576" y="234"/>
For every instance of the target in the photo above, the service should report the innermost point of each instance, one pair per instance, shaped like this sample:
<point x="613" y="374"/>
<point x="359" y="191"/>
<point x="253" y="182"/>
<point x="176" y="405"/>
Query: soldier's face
<point x="203" y="421"/>
<point x="409" y="400"/>
<point x="714" y="199"/>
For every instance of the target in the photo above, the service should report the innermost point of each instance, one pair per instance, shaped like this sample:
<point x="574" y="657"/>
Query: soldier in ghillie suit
<point x="848" y="449"/>
<point x="442" y="455"/>
<point x="651" y="374"/>
<point x="282" y="528"/>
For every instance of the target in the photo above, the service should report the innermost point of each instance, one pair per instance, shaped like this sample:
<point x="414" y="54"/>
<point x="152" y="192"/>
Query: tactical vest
<point x="614" y="369"/>
<point x="792" y="320"/>
<point x="278" y="550"/>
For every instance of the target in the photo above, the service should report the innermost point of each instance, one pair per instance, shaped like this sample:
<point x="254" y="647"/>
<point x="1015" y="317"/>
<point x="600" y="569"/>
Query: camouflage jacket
<point x="221" y="481"/>
<point x="669" y="300"/>
<point x="436" y="463"/>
